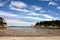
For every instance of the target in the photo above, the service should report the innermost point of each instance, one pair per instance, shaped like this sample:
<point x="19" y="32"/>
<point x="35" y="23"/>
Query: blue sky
<point x="28" y="12"/>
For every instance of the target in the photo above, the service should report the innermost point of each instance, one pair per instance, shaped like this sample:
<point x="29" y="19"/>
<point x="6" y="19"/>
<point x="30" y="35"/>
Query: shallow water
<point x="34" y="30"/>
<point x="29" y="31"/>
<point x="29" y="27"/>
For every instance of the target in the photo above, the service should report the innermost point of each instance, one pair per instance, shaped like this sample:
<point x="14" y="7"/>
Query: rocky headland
<point x="3" y="23"/>
<point x="48" y="24"/>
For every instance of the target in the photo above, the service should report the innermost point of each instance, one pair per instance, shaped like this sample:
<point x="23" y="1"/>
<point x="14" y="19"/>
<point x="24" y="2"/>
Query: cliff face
<point x="48" y="24"/>
<point x="3" y="23"/>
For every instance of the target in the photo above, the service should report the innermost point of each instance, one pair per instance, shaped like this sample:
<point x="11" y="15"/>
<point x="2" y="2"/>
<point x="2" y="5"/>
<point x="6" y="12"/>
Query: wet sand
<point x="29" y="32"/>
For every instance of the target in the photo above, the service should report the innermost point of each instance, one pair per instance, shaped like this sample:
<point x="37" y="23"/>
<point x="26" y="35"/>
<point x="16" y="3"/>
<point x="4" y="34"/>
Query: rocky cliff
<point x="3" y="23"/>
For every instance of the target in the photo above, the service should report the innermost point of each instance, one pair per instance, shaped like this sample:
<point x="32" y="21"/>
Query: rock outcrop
<point x="3" y="23"/>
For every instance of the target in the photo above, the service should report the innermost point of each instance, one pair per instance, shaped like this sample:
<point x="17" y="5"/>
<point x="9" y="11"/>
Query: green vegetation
<point x="47" y="24"/>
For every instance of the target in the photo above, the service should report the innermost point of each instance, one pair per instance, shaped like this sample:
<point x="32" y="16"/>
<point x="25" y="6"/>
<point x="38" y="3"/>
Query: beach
<point x="30" y="38"/>
<point x="25" y="33"/>
<point x="29" y="32"/>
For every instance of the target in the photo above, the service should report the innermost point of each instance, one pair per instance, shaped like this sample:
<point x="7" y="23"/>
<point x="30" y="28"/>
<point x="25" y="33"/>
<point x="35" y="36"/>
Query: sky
<point x="28" y="12"/>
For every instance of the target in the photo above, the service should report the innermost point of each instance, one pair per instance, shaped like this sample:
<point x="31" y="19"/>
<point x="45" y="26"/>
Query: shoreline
<point x="29" y="32"/>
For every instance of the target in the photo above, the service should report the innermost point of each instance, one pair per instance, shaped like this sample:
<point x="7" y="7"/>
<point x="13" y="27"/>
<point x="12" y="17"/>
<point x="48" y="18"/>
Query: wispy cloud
<point x="18" y="4"/>
<point x="17" y="9"/>
<point x="44" y="15"/>
<point x="31" y="12"/>
<point x="52" y="3"/>
<point x="3" y="13"/>
<point x="36" y="8"/>
<point x="58" y="7"/>
<point x="38" y="18"/>
<point x="45" y="0"/>
<point x="49" y="0"/>
<point x="47" y="16"/>
<point x="23" y="7"/>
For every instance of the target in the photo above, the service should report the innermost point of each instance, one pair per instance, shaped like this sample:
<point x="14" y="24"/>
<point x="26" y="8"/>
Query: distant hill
<point x="48" y="24"/>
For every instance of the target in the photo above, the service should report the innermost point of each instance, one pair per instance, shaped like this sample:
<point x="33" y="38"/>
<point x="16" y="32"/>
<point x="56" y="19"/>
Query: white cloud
<point x="58" y="7"/>
<point x="18" y="4"/>
<point x="39" y="18"/>
<point x="52" y="3"/>
<point x="15" y="5"/>
<point x="36" y="8"/>
<point x="3" y="13"/>
<point x="17" y="22"/>
<point x="21" y="6"/>
<point x="33" y="13"/>
<point x="45" y="0"/>
<point x="47" y="16"/>
<point x="30" y="17"/>
<point x="49" y="0"/>
<point x="17" y="9"/>
<point x="44" y="15"/>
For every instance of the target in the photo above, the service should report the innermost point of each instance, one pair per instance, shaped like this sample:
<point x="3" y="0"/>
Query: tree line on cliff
<point x="49" y="23"/>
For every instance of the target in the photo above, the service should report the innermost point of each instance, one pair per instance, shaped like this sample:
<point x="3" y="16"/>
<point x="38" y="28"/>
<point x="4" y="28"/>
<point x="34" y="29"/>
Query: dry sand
<point x="30" y="38"/>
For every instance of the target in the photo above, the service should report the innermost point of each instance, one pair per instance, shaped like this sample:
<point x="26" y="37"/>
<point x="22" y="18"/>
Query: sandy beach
<point x="30" y="38"/>
<point x="15" y="33"/>
<point x="29" y="32"/>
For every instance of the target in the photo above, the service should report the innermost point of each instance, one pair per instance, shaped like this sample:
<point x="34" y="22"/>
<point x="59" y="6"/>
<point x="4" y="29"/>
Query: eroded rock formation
<point x="3" y="23"/>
